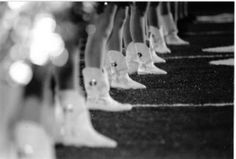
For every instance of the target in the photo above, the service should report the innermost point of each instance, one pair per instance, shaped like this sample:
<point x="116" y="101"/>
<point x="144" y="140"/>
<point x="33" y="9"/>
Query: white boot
<point x="157" y="40"/>
<point x="174" y="39"/>
<point x="150" y="68"/>
<point x="75" y="122"/>
<point x="119" y="72"/>
<point x="140" y="53"/>
<point x="155" y="58"/>
<point x="33" y="142"/>
<point x="170" y="30"/>
<point x="97" y="89"/>
<point x="132" y="59"/>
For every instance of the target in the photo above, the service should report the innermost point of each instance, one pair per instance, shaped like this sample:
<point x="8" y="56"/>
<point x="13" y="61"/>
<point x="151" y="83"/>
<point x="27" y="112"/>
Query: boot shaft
<point x="96" y="82"/>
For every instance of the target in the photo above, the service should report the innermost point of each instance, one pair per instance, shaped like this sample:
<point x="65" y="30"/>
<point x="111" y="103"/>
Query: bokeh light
<point x="54" y="44"/>
<point x="20" y="72"/>
<point x="17" y="5"/>
<point x="44" y="23"/>
<point x="45" y="43"/>
<point x="37" y="55"/>
<point x="61" y="59"/>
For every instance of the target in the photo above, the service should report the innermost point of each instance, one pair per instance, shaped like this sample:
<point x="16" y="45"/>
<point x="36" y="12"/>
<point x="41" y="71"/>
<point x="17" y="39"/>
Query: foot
<point x="161" y="49"/>
<point x="97" y="88"/>
<point x="174" y="39"/>
<point x="80" y="133"/>
<point x="117" y="69"/>
<point x="33" y="142"/>
<point x="107" y="103"/>
<point x="156" y="58"/>
<point x="157" y="41"/>
<point x="150" y="69"/>
<point x="76" y="127"/>
<point x="125" y="82"/>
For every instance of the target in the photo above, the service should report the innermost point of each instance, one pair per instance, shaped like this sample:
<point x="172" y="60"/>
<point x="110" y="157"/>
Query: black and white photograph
<point x="117" y="79"/>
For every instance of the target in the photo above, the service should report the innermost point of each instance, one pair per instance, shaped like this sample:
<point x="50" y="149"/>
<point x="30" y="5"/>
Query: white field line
<point x="199" y="56"/>
<point x="184" y="105"/>
<point x="225" y="55"/>
<point x="209" y="33"/>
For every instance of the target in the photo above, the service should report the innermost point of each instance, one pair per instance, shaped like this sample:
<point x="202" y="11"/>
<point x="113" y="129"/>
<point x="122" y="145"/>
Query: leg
<point x="169" y="26"/>
<point x="29" y="128"/>
<point x="185" y="8"/>
<point x="152" y="15"/>
<point x="22" y="116"/>
<point x="126" y="30"/>
<point x="137" y="22"/>
<point x="165" y="8"/>
<point x="175" y="10"/>
<point x="156" y="36"/>
<point x="116" y="62"/>
<point x="180" y="10"/>
<point x="95" y="47"/>
<point x="95" y="78"/>
<point x="114" y="41"/>
<point x="75" y="118"/>
<point x="10" y="97"/>
<point x="139" y="57"/>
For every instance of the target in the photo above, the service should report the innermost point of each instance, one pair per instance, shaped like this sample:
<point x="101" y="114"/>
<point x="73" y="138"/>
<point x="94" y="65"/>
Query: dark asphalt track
<point x="173" y="132"/>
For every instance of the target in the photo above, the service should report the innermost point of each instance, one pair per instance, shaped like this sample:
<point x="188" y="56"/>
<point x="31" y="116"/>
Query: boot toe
<point x="107" y="104"/>
<point x="138" y="86"/>
<point x="165" y="50"/>
<point x="89" y="138"/>
<point x="175" y="40"/>
<point x="151" y="70"/>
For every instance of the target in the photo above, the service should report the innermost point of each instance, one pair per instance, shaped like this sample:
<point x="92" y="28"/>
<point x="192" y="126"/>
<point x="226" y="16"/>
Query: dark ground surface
<point x="173" y="132"/>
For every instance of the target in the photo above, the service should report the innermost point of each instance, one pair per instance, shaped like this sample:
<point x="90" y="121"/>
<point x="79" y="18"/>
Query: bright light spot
<point x="54" y="45"/>
<point x="44" y="23"/>
<point x="45" y="46"/>
<point x="21" y="72"/>
<point x="16" y="5"/>
<point x="37" y="55"/>
<point x="105" y="3"/>
<point x="61" y="59"/>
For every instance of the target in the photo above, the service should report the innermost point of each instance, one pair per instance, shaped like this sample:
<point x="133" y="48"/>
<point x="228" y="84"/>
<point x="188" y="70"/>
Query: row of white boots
<point x="140" y="58"/>
<point x="72" y="124"/>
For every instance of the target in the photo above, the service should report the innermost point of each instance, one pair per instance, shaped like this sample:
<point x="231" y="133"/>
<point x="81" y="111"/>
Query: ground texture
<point x="174" y="132"/>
